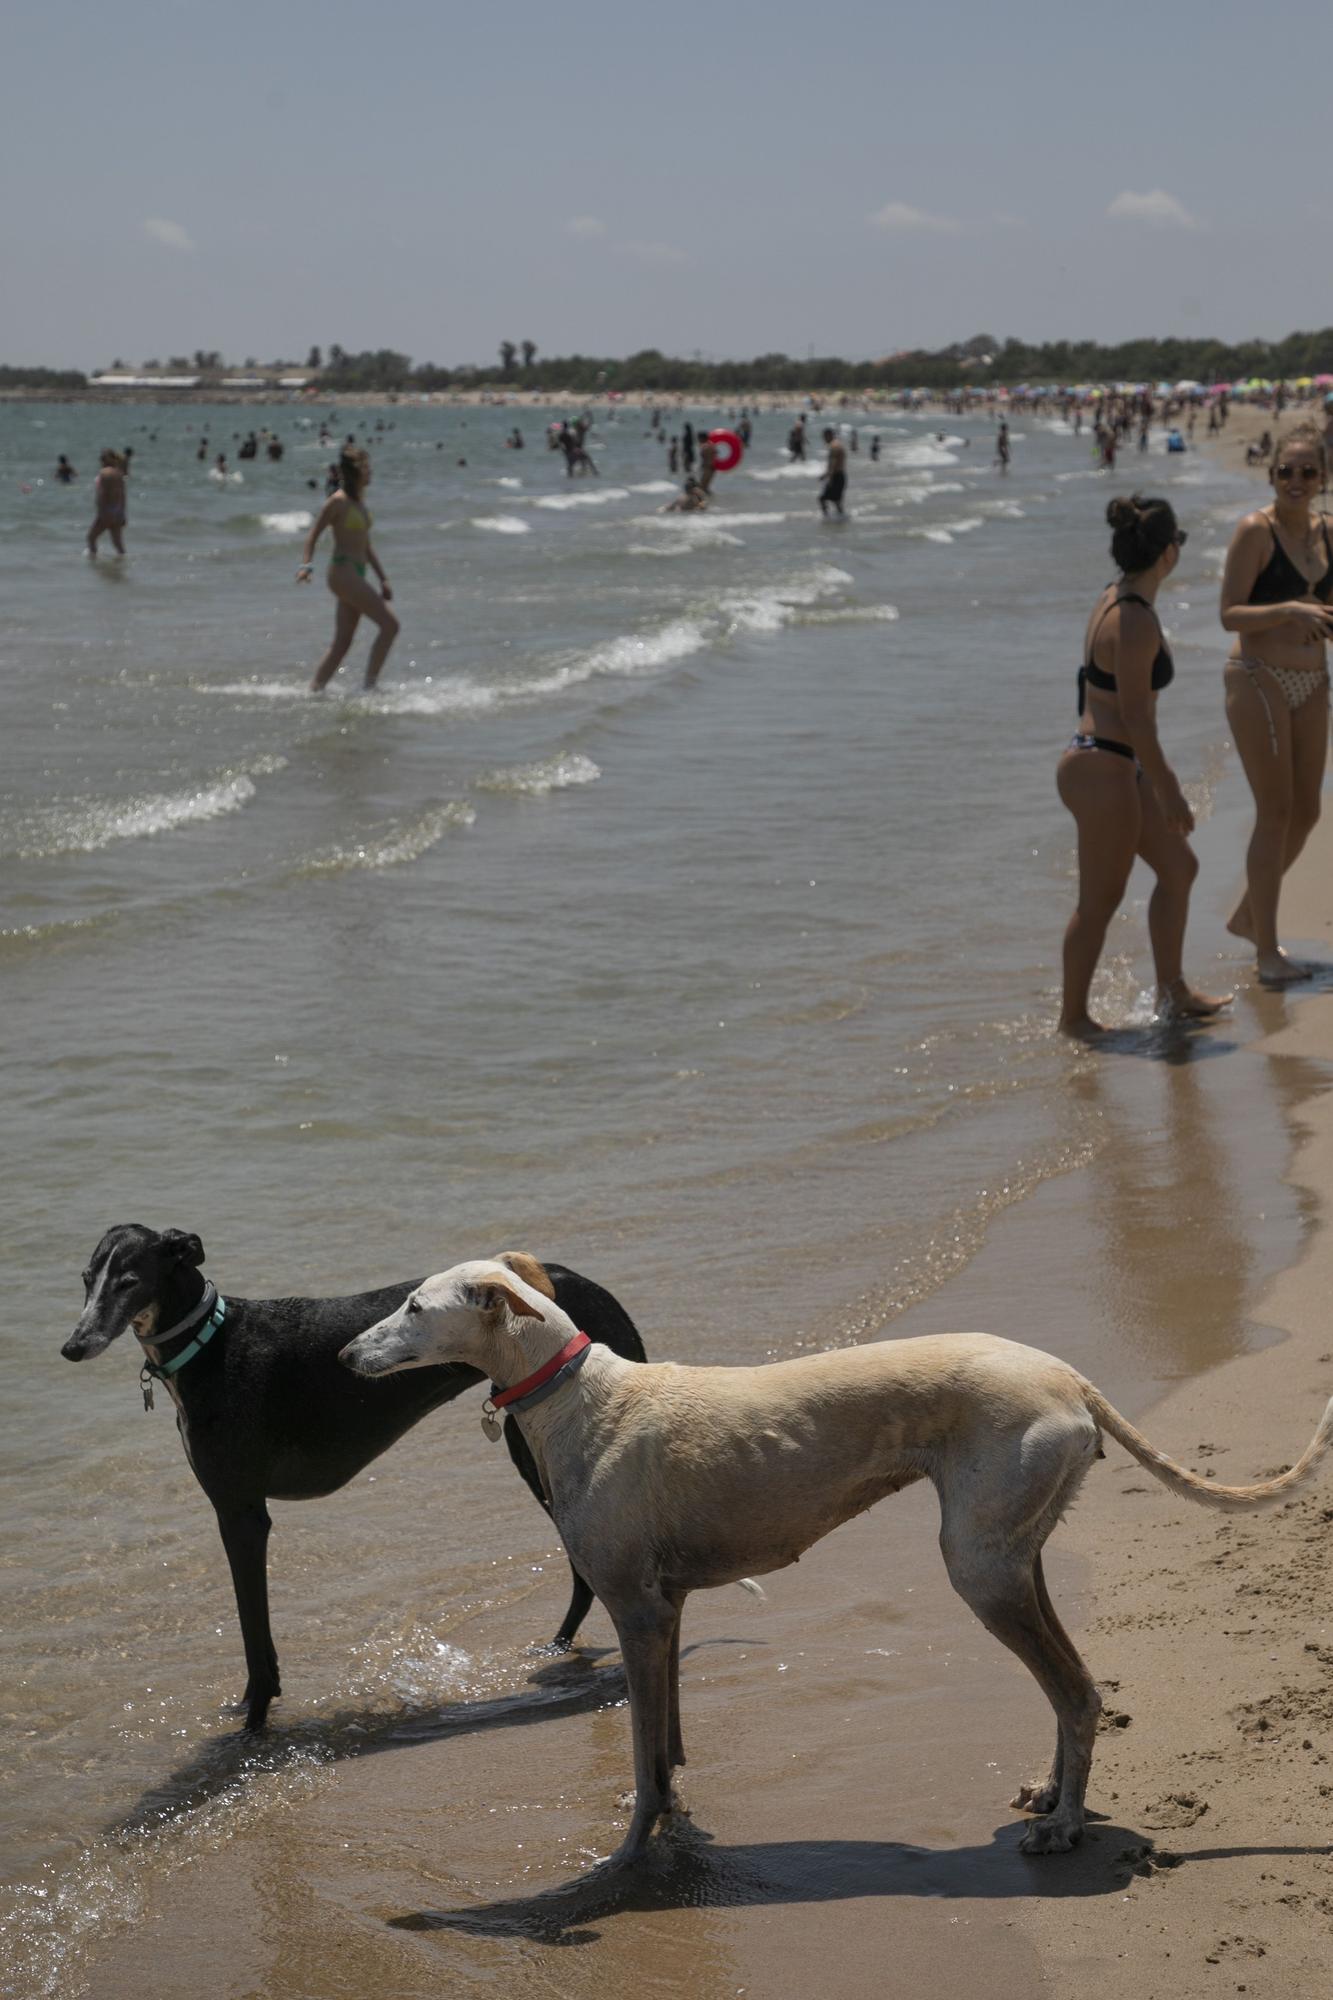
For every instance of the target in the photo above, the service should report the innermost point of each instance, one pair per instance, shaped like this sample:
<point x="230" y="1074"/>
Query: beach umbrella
<point x="1323" y="382"/>
<point x="1188" y="385"/>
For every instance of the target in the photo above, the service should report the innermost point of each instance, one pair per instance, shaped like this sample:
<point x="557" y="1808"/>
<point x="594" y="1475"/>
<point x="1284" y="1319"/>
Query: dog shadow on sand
<point x="558" y="1684"/>
<point x="685" y="1868"/>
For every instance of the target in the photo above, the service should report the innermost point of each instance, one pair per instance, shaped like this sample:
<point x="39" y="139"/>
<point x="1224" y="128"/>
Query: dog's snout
<point x="74" y="1349"/>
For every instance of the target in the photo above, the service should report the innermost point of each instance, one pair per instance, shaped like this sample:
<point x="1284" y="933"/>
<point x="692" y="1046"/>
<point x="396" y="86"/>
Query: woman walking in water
<point x="109" y="499"/>
<point x="345" y="512"/>
<point x="1277" y="597"/>
<point x="1114" y="777"/>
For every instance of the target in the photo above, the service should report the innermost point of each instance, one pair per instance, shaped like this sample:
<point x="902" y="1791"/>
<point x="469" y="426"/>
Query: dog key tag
<point x="490" y="1421"/>
<point x="146" y="1384"/>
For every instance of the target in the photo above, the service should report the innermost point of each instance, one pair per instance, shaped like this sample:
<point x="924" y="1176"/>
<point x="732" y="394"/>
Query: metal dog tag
<point x="490" y="1421"/>
<point x="146" y="1384"/>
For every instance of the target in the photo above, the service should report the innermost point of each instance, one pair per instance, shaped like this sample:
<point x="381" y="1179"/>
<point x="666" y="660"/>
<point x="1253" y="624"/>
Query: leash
<point x="215" y="1306"/>
<point x="534" y="1389"/>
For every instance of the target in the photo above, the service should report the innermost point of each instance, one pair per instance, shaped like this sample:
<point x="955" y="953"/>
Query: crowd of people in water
<point x="1114" y="776"/>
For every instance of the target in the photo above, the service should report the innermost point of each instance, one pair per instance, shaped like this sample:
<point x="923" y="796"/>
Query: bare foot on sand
<point x="1180" y="1002"/>
<point x="1276" y="969"/>
<point x="1082" y="1028"/>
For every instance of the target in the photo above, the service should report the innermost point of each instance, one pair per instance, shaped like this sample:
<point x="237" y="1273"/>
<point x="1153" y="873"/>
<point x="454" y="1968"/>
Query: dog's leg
<point x="1000" y="1586"/>
<point x="525" y="1464"/>
<point x="580" y="1604"/>
<point x="675" y="1741"/>
<point x="645" y="1627"/>
<point x="245" y="1538"/>
<point x="1041" y="1797"/>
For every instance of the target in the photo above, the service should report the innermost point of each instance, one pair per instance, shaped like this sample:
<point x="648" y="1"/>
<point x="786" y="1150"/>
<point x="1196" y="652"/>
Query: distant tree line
<point x="977" y="361"/>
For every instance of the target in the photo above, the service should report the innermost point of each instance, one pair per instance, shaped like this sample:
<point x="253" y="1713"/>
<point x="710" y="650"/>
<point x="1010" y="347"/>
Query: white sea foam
<point x="753" y="520"/>
<point x="501" y="524"/>
<point x="553" y="774"/>
<point x="225" y="478"/>
<point x="560" y="502"/>
<point x="655" y="486"/>
<point x="634" y="653"/>
<point x="1002" y="510"/>
<point x="287" y="524"/>
<point x="852" y="614"/>
<point x="84" y="826"/>
<point x="698" y="531"/>
<point x="509" y="482"/>
<point x="408" y="840"/>
<point x="801" y="468"/>
<point x="909" y="457"/>
<point x="769" y="610"/>
<point x="945" y="531"/>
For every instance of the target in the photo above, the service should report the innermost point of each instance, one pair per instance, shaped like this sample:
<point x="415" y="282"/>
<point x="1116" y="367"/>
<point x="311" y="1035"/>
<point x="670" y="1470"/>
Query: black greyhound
<point x="263" y="1408"/>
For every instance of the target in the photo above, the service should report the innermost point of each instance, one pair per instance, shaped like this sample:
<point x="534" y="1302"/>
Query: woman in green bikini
<point x="345" y="512"/>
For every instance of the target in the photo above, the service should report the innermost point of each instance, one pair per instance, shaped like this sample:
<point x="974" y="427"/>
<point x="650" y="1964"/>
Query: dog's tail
<point x="1208" y="1491"/>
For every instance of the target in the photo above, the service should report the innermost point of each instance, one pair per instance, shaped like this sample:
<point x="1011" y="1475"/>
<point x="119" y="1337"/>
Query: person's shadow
<point x="684" y="1868"/>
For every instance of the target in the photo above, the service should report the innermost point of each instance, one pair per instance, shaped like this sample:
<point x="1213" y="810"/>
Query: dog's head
<point x="129" y="1275"/>
<point x="463" y="1314"/>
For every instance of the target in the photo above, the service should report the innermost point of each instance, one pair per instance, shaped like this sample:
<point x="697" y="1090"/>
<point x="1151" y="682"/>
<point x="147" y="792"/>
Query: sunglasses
<point x="1306" y="472"/>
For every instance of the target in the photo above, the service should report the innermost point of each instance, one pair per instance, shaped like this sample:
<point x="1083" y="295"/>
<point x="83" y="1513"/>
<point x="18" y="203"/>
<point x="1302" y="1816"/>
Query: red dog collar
<point x="552" y="1368"/>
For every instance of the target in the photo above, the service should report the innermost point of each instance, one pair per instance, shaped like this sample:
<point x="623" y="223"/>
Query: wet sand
<point x="847" y="1824"/>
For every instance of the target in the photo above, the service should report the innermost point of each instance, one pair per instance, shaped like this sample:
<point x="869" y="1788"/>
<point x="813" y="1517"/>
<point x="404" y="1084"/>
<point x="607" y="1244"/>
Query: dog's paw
<point x="1051" y="1836"/>
<point x="1041" y="1796"/>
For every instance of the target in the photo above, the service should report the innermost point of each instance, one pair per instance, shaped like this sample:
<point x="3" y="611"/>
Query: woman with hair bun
<point x="1114" y="777"/>
<point x="1277" y="597"/>
<point x="344" y="511"/>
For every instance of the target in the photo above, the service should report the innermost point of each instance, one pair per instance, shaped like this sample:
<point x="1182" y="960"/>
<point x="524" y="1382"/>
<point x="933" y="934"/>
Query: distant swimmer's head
<point x="354" y="471"/>
<point x="1142" y="532"/>
<point x="1299" y="459"/>
<point x="829" y="435"/>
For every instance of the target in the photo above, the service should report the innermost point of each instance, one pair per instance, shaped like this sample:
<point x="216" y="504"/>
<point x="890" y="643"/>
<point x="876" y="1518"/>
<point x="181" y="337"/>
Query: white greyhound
<point x="666" y="1479"/>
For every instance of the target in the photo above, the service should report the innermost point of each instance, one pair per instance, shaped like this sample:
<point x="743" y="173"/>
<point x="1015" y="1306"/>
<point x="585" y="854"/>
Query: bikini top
<point x="362" y="522"/>
<point x="1091" y="675"/>
<point x="1280" y="580"/>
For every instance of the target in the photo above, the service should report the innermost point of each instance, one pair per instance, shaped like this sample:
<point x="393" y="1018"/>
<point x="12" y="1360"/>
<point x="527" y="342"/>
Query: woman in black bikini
<point x="1277" y="597"/>
<point x="1115" y="780"/>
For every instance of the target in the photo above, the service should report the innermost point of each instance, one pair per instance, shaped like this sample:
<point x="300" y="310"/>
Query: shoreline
<point x="856" y="1806"/>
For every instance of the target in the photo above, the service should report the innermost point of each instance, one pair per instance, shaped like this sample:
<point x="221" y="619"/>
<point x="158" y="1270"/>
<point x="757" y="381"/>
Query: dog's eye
<point x="414" y="1305"/>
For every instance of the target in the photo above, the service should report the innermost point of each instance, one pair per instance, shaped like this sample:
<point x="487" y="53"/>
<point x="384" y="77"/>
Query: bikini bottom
<point x="359" y="567"/>
<point x="1294" y="684"/>
<point x="1082" y="741"/>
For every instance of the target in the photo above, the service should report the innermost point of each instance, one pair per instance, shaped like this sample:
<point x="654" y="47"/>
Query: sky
<point x="728" y="179"/>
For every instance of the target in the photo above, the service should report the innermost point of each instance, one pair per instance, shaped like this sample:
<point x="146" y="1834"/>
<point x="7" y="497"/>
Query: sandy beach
<point x="845" y="1826"/>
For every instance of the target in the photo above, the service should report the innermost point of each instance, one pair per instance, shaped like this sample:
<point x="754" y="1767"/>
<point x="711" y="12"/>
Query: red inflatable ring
<point x="727" y="442"/>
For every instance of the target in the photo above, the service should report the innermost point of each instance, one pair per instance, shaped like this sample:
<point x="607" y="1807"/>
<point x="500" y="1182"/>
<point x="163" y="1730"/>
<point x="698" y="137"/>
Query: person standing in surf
<point x="344" y="512"/>
<point x="1277" y="597"/>
<point x="1115" y="780"/>
<point x="109" y="499"/>
<point x="835" y="475"/>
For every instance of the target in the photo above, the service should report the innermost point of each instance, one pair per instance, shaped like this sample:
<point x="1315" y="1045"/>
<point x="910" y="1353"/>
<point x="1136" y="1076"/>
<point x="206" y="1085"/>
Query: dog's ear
<point x="495" y="1293"/>
<point x="180" y="1247"/>
<point x="532" y="1273"/>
